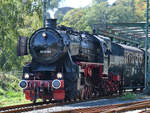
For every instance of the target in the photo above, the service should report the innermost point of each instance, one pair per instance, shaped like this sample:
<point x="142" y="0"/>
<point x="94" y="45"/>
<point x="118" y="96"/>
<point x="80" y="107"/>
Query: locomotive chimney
<point x="51" y="23"/>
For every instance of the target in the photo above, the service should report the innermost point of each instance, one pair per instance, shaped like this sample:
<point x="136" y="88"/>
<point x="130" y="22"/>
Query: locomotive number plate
<point x="45" y="51"/>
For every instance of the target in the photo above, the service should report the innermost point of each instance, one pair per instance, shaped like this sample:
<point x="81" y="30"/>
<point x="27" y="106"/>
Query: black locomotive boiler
<point x="67" y="64"/>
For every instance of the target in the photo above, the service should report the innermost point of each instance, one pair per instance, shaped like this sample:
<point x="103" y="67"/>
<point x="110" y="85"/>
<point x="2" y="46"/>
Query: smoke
<point x="50" y="14"/>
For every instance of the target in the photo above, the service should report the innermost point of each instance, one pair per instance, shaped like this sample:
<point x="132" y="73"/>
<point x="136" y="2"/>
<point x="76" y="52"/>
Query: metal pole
<point x="48" y="9"/>
<point x="133" y="7"/>
<point x="146" y="42"/>
<point x="44" y="12"/>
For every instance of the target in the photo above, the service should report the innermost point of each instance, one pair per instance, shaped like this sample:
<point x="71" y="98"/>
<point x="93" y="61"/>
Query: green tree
<point x="59" y="14"/>
<point x="98" y="13"/>
<point x="76" y="18"/>
<point x="10" y="14"/>
<point x="140" y="9"/>
<point x="137" y="7"/>
<point x="120" y="13"/>
<point x="83" y="19"/>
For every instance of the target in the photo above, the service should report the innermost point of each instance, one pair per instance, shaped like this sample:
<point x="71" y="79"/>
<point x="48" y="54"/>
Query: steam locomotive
<point x="67" y="64"/>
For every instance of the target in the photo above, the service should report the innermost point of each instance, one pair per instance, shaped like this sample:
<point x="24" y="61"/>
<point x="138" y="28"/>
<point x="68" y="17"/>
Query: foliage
<point x="140" y="11"/>
<point x="10" y="14"/>
<point x="102" y="12"/>
<point x="95" y="16"/>
<point x="74" y="19"/>
<point x="9" y="83"/>
<point x="59" y="14"/>
<point x="120" y="14"/>
<point x="10" y="92"/>
<point x="129" y="96"/>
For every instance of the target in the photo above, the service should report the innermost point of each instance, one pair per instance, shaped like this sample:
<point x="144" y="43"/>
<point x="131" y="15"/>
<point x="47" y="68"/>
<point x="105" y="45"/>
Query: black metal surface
<point x="51" y="23"/>
<point x="128" y="62"/>
<point x="86" y="47"/>
<point x="22" y="46"/>
<point x="47" y="49"/>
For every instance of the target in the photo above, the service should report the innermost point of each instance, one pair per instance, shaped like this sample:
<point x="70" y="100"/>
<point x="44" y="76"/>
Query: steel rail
<point x="115" y="108"/>
<point x="25" y="107"/>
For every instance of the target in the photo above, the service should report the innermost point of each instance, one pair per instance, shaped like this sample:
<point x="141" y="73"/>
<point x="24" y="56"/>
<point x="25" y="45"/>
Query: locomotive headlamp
<point x="59" y="75"/>
<point x="26" y="75"/>
<point x="44" y="35"/>
<point x="23" y="84"/>
<point x="56" y="84"/>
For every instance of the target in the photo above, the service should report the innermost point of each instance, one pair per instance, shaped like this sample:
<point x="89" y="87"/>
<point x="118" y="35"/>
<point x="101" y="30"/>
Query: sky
<point x="79" y="3"/>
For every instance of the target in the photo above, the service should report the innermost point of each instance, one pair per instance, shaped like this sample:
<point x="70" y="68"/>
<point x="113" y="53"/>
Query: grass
<point x="128" y="96"/>
<point x="12" y="98"/>
<point x="10" y="92"/>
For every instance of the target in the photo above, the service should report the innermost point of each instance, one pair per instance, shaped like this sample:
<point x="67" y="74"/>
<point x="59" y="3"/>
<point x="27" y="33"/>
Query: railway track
<point x="41" y="105"/>
<point x="116" y="108"/>
<point x="26" y="107"/>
